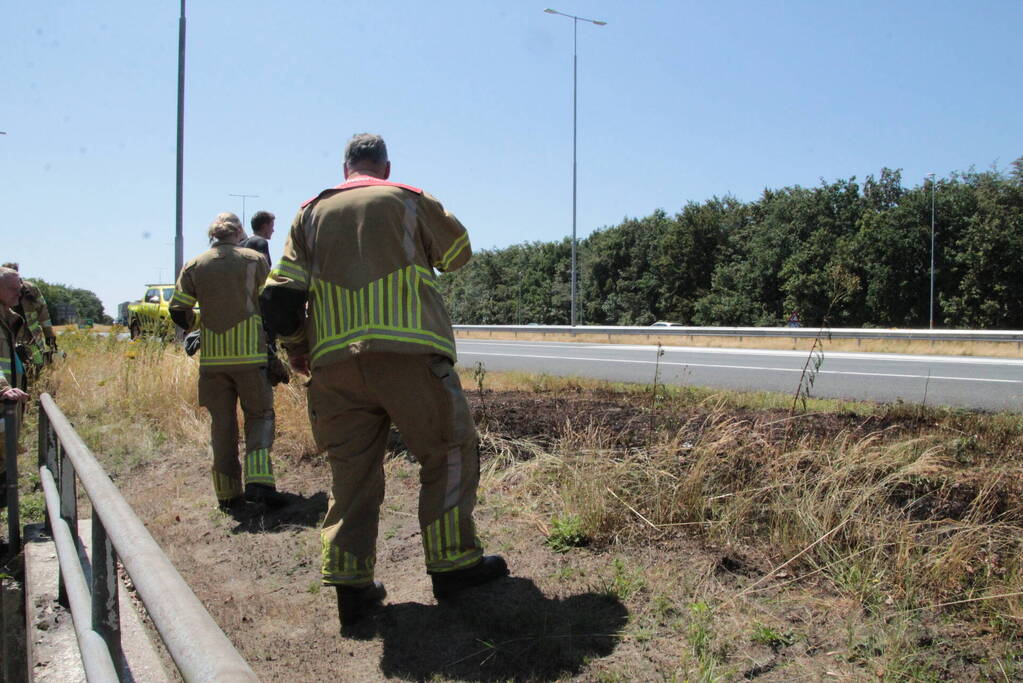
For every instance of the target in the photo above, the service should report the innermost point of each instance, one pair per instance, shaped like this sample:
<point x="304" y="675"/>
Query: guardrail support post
<point x="68" y="509"/>
<point x="46" y="449"/>
<point x="106" y="617"/>
<point x="11" y="465"/>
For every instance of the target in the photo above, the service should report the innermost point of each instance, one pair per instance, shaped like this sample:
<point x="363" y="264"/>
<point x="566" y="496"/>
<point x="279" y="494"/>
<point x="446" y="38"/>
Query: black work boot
<point x="262" y="494"/>
<point x="447" y="584"/>
<point x="231" y="504"/>
<point x="355" y="603"/>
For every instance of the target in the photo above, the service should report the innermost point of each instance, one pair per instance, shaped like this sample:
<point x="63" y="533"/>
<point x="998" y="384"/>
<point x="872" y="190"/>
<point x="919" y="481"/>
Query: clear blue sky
<point x="678" y="101"/>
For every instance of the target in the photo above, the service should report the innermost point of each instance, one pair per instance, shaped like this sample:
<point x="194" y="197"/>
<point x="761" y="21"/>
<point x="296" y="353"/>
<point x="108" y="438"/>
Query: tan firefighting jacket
<point x="37" y="328"/>
<point x="225" y="280"/>
<point x="364" y="253"/>
<point x="10" y="326"/>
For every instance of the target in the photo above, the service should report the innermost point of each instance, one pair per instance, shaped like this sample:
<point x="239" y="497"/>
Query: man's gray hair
<point x="365" y="147"/>
<point x="225" y="225"/>
<point x="8" y="272"/>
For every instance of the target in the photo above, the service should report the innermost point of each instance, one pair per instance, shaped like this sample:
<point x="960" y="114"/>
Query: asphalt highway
<point x="994" y="384"/>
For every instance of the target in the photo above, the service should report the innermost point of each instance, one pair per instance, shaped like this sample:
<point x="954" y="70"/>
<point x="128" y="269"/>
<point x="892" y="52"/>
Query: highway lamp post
<point x="931" y="176"/>
<point x="179" y="240"/>
<point x="244" y="197"/>
<point x="575" y="99"/>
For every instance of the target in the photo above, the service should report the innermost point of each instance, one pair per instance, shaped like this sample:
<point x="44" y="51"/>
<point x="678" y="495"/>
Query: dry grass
<point x="875" y="542"/>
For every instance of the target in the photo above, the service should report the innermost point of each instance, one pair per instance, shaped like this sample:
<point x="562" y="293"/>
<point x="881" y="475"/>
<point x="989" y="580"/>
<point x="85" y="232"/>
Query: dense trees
<point x="69" y="305"/>
<point x="860" y="255"/>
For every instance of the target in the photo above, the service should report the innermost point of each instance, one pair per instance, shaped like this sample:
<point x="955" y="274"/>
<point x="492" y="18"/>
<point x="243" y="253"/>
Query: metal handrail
<point x="197" y="645"/>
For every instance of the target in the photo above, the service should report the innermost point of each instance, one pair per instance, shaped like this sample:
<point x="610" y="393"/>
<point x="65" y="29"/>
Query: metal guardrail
<point x="1009" y="336"/>
<point x="10" y="425"/>
<point x="198" y="647"/>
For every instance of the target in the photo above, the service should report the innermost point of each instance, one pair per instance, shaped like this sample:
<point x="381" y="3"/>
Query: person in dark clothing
<point x="262" y="230"/>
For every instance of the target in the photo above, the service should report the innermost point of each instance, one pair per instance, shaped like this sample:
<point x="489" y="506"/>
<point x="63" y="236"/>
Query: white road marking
<point x="741" y="367"/>
<point x="971" y="360"/>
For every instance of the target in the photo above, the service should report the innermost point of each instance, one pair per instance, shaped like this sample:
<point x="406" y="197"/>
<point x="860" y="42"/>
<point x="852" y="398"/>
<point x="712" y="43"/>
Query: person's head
<point x="263" y="224"/>
<point x="366" y="154"/>
<point x="13" y="266"/>
<point x="10" y="287"/>
<point x="226" y="228"/>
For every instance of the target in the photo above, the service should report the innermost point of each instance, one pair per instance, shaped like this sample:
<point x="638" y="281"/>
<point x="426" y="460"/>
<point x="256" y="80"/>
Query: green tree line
<point x="859" y="254"/>
<point x="71" y="305"/>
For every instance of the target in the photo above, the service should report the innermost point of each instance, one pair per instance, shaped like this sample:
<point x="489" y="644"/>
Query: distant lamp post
<point x="931" y="176"/>
<point x="244" y="197"/>
<point x="575" y="99"/>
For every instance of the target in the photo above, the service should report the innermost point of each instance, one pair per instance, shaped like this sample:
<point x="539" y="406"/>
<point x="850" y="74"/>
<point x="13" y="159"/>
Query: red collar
<point x="361" y="181"/>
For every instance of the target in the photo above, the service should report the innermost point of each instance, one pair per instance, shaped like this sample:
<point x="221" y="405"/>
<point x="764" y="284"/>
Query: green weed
<point x="566" y="533"/>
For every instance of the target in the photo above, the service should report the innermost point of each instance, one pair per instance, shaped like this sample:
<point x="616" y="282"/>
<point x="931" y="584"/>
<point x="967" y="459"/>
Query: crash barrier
<point x="199" y="648"/>
<point x="10" y="427"/>
<point x="592" y="333"/>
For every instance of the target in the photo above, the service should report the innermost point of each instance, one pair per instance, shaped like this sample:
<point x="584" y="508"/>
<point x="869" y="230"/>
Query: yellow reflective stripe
<point x="8" y="368"/>
<point x="183" y="298"/>
<point x="234" y="360"/>
<point x="258" y="468"/>
<point x="452" y="253"/>
<point x="422" y="337"/>
<point x="442" y="543"/>
<point x="344" y="568"/>
<point x="239" y="344"/>
<point x="226" y="487"/>
<point x="388" y="308"/>
<point x="290" y="270"/>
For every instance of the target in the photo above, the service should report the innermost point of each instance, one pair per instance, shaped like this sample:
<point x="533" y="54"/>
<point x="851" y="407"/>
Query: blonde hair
<point x="225" y="226"/>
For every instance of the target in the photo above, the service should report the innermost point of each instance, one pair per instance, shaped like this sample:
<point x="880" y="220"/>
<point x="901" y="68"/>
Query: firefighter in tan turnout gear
<point x="225" y="281"/>
<point x="10" y="374"/>
<point x="38" y="331"/>
<point x="354" y="300"/>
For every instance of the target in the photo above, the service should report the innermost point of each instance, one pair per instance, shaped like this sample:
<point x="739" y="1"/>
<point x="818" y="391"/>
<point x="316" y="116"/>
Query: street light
<point x="931" y="176"/>
<point x="179" y="239"/>
<point x="575" y="98"/>
<point x="243" y="196"/>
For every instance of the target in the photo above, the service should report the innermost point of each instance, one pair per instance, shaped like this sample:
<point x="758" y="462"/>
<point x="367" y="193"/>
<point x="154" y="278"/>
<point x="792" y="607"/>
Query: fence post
<point x="11" y="466"/>
<point x="106" y="617"/>
<point x="45" y="452"/>
<point x="68" y="509"/>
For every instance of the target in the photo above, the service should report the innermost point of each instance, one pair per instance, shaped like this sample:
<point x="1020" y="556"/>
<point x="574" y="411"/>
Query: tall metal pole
<point x="179" y="241"/>
<point x="931" y="176"/>
<point x="243" y="196"/>
<point x="575" y="110"/>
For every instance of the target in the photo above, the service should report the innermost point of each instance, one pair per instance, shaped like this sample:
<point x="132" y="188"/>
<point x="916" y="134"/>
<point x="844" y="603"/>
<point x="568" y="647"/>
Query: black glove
<point x="192" y="343"/>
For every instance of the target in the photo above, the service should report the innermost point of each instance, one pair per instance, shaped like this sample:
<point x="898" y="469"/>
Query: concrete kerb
<point x="52" y="646"/>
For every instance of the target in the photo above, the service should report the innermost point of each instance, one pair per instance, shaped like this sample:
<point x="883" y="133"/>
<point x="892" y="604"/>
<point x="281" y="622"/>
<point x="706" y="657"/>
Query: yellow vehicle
<point x="151" y="315"/>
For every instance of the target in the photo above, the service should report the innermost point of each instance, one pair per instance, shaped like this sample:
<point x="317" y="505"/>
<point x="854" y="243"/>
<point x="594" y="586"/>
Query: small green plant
<point x="655" y="396"/>
<point x="479" y="373"/>
<point x="772" y="638"/>
<point x="566" y="533"/>
<point x="624" y="582"/>
<point x="700" y="635"/>
<point x="314" y="587"/>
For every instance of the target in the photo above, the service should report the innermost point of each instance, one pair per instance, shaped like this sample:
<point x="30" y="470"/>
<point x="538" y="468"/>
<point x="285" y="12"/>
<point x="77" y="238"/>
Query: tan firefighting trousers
<point x="220" y="392"/>
<point x="351" y="406"/>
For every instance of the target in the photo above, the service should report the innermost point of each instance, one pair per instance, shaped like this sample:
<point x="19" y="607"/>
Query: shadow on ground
<point x="299" y="511"/>
<point x="504" y="631"/>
